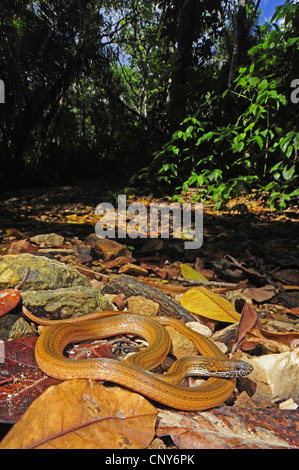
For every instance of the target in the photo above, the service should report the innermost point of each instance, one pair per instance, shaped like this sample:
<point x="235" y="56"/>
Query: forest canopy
<point x="168" y="95"/>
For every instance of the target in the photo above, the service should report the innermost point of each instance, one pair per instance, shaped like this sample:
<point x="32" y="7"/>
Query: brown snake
<point x="134" y="372"/>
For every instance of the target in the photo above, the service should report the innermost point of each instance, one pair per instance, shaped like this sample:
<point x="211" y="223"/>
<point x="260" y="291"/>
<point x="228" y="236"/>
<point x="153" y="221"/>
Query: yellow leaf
<point x="202" y="302"/>
<point x="190" y="273"/>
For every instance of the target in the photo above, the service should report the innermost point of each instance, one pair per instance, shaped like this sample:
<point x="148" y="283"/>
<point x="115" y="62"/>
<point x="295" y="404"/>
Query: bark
<point x="130" y="286"/>
<point x="176" y="99"/>
<point x="240" y="42"/>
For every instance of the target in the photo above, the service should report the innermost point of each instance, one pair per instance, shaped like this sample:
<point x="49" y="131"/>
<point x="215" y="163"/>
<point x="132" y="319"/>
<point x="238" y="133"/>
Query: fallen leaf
<point x="272" y="341"/>
<point x="199" y="266"/>
<point x="118" y="262"/>
<point x="295" y="311"/>
<point x="249" y="320"/>
<point x="231" y="427"/>
<point x="132" y="269"/>
<point x="13" y="232"/>
<point x="260" y="294"/>
<point x="291" y="276"/>
<point x="190" y="273"/>
<point x="82" y="414"/>
<point x="9" y="299"/>
<point x="250" y="273"/>
<point x="21" y="246"/>
<point x="26" y="380"/>
<point x="203" y="302"/>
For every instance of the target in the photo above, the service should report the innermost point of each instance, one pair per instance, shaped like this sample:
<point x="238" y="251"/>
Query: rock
<point x="65" y="303"/>
<point x="105" y="248"/>
<point x="52" y="289"/>
<point x="275" y="377"/>
<point x="288" y="405"/>
<point x="140" y="305"/>
<point x="199" y="328"/>
<point x="49" y="239"/>
<point x="180" y="345"/>
<point x="44" y="274"/>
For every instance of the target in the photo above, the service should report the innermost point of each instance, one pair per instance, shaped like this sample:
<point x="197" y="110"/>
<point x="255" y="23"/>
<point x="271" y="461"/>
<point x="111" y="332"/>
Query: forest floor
<point x="247" y="248"/>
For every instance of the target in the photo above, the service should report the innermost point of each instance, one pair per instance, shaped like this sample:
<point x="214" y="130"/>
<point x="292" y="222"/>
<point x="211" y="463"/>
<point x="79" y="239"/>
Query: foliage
<point x="142" y="89"/>
<point x="257" y="149"/>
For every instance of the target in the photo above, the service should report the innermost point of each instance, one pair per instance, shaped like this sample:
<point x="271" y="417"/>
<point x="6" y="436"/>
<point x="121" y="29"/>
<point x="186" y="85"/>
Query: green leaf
<point x="259" y="141"/>
<point x="288" y="173"/>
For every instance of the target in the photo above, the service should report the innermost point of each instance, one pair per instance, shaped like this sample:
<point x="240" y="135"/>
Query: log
<point x="131" y="286"/>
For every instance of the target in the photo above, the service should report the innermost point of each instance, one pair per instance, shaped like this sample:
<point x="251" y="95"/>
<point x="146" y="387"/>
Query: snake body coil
<point x="135" y="373"/>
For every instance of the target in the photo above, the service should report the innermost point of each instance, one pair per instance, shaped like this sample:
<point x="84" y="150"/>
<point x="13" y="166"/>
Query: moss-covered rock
<point x="52" y="290"/>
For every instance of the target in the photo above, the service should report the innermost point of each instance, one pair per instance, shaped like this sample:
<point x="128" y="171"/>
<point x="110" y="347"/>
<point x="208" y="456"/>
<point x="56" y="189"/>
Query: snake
<point x="135" y="372"/>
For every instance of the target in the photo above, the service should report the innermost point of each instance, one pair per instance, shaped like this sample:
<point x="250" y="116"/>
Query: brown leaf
<point x="88" y="350"/>
<point x="25" y="381"/>
<point x="9" y="299"/>
<point x="199" y="266"/>
<point x="249" y="320"/>
<point x="250" y="273"/>
<point x="22" y="378"/>
<point x="21" y="246"/>
<point x="13" y="232"/>
<point x="118" y="262"/>
<point x="290" y="276"/>
<point x="82" y="414"/>
<point x="230" y="427"/>
<point x="133" y="269"/>
<point x="275" y="342"/>
<point x="260" y="294"/>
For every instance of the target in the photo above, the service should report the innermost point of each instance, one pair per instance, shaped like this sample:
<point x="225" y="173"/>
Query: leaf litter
<point x="246" y="269"/>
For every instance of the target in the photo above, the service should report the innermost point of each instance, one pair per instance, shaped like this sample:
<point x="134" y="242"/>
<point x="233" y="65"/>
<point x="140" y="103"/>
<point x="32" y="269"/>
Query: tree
<point x="46" y="47"/>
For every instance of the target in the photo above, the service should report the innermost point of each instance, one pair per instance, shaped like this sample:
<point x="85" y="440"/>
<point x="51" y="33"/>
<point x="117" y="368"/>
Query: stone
<point x="141" y="306"/>
<point x="52" y="290"/>
<point x="49" y="239"/>
<point x="105" y="248"/>
<point x="45" y="274"/>
<point x="275" y="377"/>
<point x="65" y="303"/>
<point x="180" y="345"/>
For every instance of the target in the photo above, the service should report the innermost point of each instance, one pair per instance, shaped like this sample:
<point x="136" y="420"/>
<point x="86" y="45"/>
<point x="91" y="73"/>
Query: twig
<point x="23" y="280"/>
<point x="197" y="282"/>
<point x="81" y="268"/>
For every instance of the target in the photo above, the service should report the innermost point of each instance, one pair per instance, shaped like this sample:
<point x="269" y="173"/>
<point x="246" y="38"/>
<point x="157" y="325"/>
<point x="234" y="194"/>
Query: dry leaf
<point x="249" y="320"/>
<point x="82" y="414"/>
<point x="13" y="232"/>
<point x="228" y="427"/>
<point x="272" y="341"/>
<point x="260" y="294"/>
<point x="290" y="276"/>
<point x="190" y="273"/>
<point x="27" y="381"/>
<point x="9" y="299"/>
<point x="208" y="304"/>
<point x="21" y="246"/>
<point x="199" y="266"/>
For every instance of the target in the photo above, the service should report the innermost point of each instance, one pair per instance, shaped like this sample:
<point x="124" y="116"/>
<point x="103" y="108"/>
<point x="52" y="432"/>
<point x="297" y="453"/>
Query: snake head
<point x="215" y="367"/>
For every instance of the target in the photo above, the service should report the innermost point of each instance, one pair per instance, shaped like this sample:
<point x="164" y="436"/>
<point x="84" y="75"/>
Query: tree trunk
<point x="176" y="99"/>
<point x="240" y="42"/>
